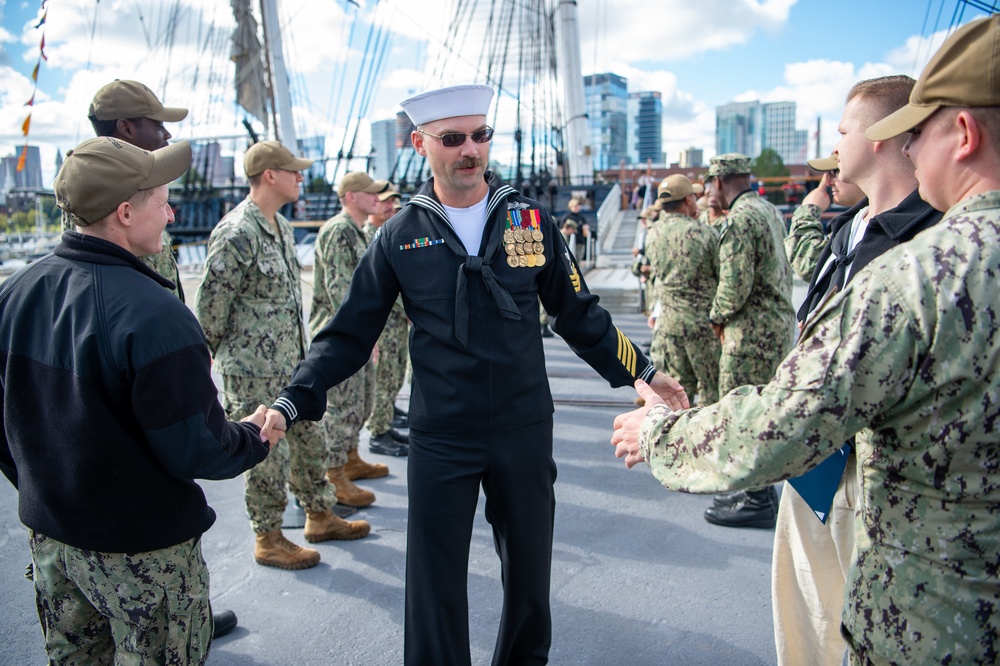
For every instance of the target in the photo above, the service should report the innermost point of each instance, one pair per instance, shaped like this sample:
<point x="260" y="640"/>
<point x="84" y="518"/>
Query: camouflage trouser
<point x="393" y="350"/>
<point x="543" y="316"/>
<point x="736" y="370"/>
<point x="113" y="608"/>
<point x="658" y="348"/>
<point x="693" y="360"/>
<point x="298" y="461"/>
<point x="348" y="405"/>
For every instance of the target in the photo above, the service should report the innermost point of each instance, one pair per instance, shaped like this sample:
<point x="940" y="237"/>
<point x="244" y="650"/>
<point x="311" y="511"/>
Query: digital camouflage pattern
<point x="115" y="608"/>
<point x="250" y="300"/>
<point x="393" y="354"/>
<point x="250" y="305"/>
<point x="754" y="298"/>
<point x="390" y="372"/>
<point x="340" y="245"/>
<point x="805" y="241"/>
<point x="683" y="256"/>
<point x="728" y="164"/>
<point x="705" y="218"/>
<point x="907" y="358"/>
<point x="299" y="460"/>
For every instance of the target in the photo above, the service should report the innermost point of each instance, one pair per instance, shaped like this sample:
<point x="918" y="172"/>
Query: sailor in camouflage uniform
<point x="339" y="247"/>
<point x="393" y="344"/>
<point x="683" y="255"/>
<point x="752" y="311"/>
<point x="713" y="213"/>
<point x="806" y="241"/>
<point x="250" y="305"/>
<point x="129" y="111"/>
<point x="907" y="358"/>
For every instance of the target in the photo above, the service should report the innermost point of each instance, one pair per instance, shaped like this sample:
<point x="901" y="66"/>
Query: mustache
<point x="469" y="163"/>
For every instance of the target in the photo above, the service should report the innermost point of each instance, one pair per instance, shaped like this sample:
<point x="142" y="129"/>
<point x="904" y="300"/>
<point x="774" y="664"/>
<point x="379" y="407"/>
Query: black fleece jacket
<point x="885" y="231"/>
<point x="109" y="408"/>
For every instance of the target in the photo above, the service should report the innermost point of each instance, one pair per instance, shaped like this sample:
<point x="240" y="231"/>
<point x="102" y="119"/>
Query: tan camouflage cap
<point x="729" y="164"/>
<point x="272" y="155"/>
<point x="130" y="99"/>
<point x="359" y="181"/>
<point x="101" y="173"/>
<point x="388" y="193"/>
<point x="965" y="72"/>
<point x="830" y="163"/>
<point x="675" y="188"/>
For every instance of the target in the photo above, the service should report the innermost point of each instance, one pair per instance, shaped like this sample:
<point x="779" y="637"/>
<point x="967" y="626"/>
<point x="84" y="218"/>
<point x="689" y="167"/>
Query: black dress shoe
<point x="222" y="623"/>
<point x="547" y="331"/>
<point x="388" y="445"/>
<point x="758" y="508"/>
<point x="400" y="419"/>
<point x="728" y="499"/>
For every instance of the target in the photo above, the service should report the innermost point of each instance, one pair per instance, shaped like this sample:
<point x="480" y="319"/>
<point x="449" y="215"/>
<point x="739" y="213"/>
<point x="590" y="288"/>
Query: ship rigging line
<point x="373" y="58"/>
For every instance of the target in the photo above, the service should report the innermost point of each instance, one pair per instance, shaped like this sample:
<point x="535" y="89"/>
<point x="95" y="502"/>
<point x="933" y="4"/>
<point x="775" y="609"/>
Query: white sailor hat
<point x="466" y="100"/>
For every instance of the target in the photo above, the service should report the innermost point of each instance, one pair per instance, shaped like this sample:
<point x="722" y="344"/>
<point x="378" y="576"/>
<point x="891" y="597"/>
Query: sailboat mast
<point x="577" y="159"/>
<point x="284" y="126"/>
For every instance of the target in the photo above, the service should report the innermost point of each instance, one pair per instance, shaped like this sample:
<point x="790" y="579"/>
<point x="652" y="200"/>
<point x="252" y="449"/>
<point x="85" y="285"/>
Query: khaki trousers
<point x="809" y="573"/>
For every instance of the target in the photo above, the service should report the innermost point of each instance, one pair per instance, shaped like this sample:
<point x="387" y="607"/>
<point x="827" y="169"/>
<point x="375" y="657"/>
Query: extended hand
<point x="274" y="427"/>
<point x="625" y="438"/>
<point x="667" y="390"/>
<point x="819" y="196"/>
<point x="257" y="418"/>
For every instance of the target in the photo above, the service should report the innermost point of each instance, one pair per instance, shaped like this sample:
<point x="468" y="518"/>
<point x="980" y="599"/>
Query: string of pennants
<point x="26" y="126"/>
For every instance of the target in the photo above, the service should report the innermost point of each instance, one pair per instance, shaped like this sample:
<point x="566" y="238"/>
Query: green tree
<point x="318" y="185"/>
<point x="768" y="164"/>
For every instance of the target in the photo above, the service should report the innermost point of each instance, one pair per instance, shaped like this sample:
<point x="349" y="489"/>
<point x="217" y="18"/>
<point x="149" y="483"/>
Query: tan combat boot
<point x="326" y="525"/>
<point x="356" y="468"/>
<point x="274" y="550"/>
<point x="348" y="494"/>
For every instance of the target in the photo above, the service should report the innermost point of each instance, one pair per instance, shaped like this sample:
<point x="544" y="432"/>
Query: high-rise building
<point x="749" y="127"/>
<point x="692" y="158"/>
<point x="607" y="116"/>
<point x="737" y="128"/>
<point x="30" y="176"/>
<point x="645" y="128"/>
<point x="780" y="134"/>
<point x="384" y="148"/>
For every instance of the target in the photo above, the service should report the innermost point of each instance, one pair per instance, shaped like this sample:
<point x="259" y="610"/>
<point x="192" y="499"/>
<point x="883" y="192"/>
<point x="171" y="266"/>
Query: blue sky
<point x="699" y="55"/>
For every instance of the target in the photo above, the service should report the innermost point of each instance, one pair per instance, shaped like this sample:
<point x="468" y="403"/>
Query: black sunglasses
<point x="454" y="139"/>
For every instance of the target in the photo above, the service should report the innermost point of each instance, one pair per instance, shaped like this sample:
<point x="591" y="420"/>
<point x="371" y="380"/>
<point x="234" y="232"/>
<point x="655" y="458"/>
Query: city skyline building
<point x="645" y="127"/>
<point x="607" y="116"/>
<point x="749" y="127"/>
<point x="29" y="177"/>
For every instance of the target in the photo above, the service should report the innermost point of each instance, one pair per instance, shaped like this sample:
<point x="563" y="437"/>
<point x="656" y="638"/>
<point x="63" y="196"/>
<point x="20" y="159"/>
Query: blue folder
<point x="818" y="486"/>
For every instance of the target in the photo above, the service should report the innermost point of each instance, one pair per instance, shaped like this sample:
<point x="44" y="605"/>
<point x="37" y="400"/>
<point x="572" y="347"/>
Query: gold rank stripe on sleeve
<point x="574" y="277"/>
<point x="626" y="352"/>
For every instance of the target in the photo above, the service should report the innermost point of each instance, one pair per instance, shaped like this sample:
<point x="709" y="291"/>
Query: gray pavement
<point x="639" y="578"/>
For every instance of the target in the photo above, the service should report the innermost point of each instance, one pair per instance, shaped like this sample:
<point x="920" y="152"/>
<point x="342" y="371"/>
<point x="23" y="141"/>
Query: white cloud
<point x="638" y="31"/>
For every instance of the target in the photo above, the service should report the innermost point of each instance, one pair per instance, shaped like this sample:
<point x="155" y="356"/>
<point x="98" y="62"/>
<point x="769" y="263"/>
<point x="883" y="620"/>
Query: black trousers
<point x="516" y="470"/>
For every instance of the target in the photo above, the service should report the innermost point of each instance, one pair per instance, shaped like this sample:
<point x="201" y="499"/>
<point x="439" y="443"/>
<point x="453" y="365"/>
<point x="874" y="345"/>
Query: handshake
<point x="271" y="423"/>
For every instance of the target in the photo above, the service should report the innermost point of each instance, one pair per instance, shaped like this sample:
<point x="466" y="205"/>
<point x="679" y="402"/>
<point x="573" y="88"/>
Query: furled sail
<point x="251" y="87"/>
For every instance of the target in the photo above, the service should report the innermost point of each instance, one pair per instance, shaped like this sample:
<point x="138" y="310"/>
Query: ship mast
<point x="283" y="125"/>
<point x="577" y="159"/>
